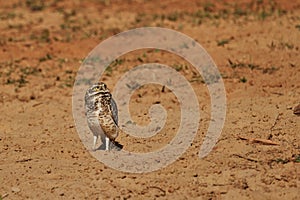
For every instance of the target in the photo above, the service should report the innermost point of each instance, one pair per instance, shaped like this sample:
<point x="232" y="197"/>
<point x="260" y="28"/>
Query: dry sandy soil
<point x="256" y="46"/>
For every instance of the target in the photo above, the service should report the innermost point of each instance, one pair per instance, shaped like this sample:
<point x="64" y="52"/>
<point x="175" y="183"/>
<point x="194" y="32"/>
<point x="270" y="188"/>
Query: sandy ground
<point x="255" y="45"/>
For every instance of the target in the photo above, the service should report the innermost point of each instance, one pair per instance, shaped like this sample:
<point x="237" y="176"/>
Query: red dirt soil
<point x="255" y="45"/>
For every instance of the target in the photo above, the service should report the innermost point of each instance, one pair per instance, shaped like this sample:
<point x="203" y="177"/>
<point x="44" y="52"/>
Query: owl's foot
<point x="112" y="145"/>
<point x="107" y="144"/>
<point x="95" y="143"/>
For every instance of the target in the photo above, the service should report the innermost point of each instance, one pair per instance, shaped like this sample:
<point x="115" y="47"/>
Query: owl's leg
<point x="95" y="142"/>
<point x="107" y="144"/>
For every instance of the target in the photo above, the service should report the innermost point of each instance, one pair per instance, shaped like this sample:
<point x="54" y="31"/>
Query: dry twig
<point x="258" y="140"/>
<point x="277" y="118"/>
<point x="249" y="159"/>
<point x="4" y="195"/>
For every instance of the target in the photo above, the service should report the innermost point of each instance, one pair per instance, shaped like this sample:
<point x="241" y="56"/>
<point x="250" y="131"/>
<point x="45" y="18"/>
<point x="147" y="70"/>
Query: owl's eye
<point x="103" y="86"/>
<point x="96" y="88"/>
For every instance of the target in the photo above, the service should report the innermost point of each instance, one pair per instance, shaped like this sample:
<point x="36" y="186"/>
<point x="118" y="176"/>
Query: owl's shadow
<point x="113" y="146"/>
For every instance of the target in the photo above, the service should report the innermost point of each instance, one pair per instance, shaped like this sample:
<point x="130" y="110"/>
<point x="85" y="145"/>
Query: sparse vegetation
<point x="282" y="161"/>
<point x="209" y="7"/>
<point x="7" y="15"/>
<point x="117" y="62"/>
<point x="17" y="74"/>
<point x="241" y="64"/>
<point x="197" y="79"/>
<point x="178" y="67"/>
<point x="208" y="11"/>
<point x="35" y="5"/>
<point x="140" y="59"/>
<point x="281" y="45"/>
<point x="108" y="71"/>
<point x="252" y="66"/>
<point x="270" y="70"/>
<point x="173" y="16"/>
<point x="46" y="57"/>
<point x="43" y="36"/>
<point x="223" y="42"/>
<point x="239" y="12"/>
<point x="243" y="80"/>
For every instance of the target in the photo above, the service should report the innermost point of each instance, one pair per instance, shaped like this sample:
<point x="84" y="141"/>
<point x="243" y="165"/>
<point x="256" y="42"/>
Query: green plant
<point x="44" y="36"/>
<point x="239" y="12"/>
<point x="35" y="5"/>
<point x="178" y="67"/>
<point x="197" y="79"/>
<point x="208" y="7"/>
<point x="20" y="82"/>
<point x="28" y="70"/>
<point x="140" y="17"/>
<point x="108" y="71"/>
<point x="271" y="46"/>
<point x="243" y="80"/>
<point x="173" y="16"/>
<point x="15" y="26"/>
<point x="270" y="70"/>
<point x="140" y="59"/>
<point x="288" y="45"/>
<point x="69" y="81"/>
<point x="69" y="71"/>
<point x="263" y="14"/>
<point x="239" y="64"/>
<point x="46" y="57"/>
<point x="5" y="16"/>
<point x="280" y="160"/>
<point x="180" y="27"/>
<point x="117" y="62"/>
<point x="223" y="42"/>
<point x="10" y="81"/>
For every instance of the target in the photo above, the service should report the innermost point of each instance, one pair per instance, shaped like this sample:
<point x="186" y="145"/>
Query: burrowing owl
<point x="102" y="115"/>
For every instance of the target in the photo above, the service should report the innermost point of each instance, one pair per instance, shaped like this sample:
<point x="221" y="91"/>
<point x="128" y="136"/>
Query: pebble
<point x="297" y="110"/>
<point x="15" y="189"/>
<point x="277" y="177"/>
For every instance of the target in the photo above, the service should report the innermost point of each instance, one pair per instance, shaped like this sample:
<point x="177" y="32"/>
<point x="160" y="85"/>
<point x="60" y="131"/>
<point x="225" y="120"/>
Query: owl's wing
<point x="114" y="111"/>
<point x="109" y="127"/>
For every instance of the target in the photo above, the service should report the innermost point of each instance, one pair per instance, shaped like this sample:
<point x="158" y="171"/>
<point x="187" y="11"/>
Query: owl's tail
<point x="117" y="144"/>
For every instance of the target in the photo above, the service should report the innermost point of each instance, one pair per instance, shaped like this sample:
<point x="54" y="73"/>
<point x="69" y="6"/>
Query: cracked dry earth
<point x="255" y="45"/>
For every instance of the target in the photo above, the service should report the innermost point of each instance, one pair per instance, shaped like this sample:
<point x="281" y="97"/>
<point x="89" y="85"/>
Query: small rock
<point x="297" y="110"/>
<point x="15" y="189"/>
<point x="277" y="177"/>
<point x="171" y="190"/>
<point x="289" y="107"/>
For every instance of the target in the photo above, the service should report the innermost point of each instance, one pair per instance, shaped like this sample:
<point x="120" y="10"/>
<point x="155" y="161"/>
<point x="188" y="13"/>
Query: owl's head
<point x="96" y="89"/>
